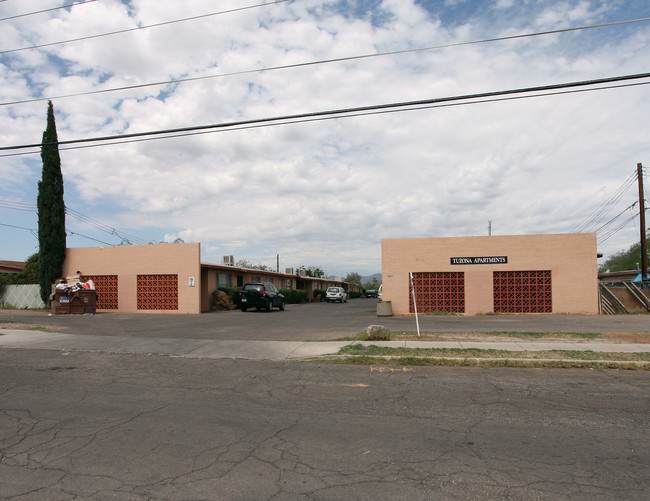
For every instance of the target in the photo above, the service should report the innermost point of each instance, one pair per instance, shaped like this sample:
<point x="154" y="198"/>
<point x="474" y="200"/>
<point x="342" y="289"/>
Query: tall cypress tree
<point x="51" y="209"/>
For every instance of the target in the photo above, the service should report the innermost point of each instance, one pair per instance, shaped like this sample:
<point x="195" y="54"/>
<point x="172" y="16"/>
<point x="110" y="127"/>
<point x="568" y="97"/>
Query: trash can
<point x="384" y="309"/>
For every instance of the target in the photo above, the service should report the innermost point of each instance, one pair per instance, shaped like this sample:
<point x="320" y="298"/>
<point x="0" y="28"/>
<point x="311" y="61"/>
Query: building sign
<point x="480" y="260"/>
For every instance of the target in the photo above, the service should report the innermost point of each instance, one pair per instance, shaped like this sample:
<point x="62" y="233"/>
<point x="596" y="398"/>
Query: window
<point x="224" y="280"/>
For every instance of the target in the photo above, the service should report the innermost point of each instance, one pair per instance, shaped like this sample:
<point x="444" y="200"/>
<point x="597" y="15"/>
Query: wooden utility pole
<point x="644" y="248"/>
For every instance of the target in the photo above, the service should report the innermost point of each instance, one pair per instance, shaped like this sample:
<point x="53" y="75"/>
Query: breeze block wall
<point x="526" y="274"/>
<point x="160" y="278"/>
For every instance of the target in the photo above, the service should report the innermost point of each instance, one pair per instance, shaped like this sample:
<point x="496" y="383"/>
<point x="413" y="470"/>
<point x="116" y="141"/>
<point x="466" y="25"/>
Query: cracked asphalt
<point x="99" y="426"/>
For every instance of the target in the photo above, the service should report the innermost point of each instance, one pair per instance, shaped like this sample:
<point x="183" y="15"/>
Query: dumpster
<point x="74" y="300"/>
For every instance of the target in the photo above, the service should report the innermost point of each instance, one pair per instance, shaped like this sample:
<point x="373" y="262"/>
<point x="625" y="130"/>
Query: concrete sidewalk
<point x="266" y="350"/>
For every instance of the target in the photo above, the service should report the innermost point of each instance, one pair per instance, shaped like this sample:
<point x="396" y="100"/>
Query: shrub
<point x="319" y="294"/>
<point x="354" y="295"/>
<point x="232" y="292"/>
<point x="222" y="301"/>
<point x="294" y="296"/>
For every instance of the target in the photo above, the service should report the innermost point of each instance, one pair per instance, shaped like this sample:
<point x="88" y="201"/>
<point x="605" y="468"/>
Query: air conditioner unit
<point x="302" y="272"/>
<point x="229" y="260"/>
<point x="288" y="271"/>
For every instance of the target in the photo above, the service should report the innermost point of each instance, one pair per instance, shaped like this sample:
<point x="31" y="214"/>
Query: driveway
<point x="314" y="321"/>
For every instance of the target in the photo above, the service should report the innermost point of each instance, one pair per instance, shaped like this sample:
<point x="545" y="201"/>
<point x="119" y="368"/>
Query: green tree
<point x="353" y="278"/>
<point x="29" y="274"/>
<point x="624" y="260"/>
<point x="313" y="271"/>
<point x="51" y="209"/>
<point x="374" y="285"/>
<point x="245" y="263"/>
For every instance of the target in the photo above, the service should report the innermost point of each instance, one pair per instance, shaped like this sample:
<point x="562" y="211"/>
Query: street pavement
<point x="105" y="427"/>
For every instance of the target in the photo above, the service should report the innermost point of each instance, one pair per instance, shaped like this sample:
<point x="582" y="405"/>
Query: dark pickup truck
<point x="261" y="296"/>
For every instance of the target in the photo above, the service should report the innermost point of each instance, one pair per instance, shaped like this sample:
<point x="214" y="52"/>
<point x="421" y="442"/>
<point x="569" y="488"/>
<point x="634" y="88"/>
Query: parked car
<point x="371" y="293"/>
<point x="380" y="295"/>
<point x="261" y="296"/>
<point x="336" y="294"/>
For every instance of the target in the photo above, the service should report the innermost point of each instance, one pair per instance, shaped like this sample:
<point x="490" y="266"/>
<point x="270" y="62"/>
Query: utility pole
<point x="644" y="248"/>
<point x="490" y="228"/>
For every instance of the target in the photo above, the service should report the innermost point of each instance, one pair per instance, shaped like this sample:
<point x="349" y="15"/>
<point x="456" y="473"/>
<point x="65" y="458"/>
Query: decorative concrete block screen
<point x="522" y="291"/>
<point x="106" y="287"/>
<point x="438" y="291"/>
<point x="157" y="292"/>
<point x="22" y="296"/>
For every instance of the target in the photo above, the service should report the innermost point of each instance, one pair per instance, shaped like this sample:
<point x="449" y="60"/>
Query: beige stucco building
<point x="141" y="278"/>
<point x="475" y="275"/>
<point x="169" y="278"/>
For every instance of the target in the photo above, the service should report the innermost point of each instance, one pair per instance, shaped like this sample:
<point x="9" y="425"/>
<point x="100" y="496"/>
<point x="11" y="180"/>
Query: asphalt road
<point x="309" y="322"/>
<point x="93" y="426"/>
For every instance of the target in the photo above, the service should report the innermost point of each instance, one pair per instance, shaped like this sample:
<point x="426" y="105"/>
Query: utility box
<point x="384" y="309"/>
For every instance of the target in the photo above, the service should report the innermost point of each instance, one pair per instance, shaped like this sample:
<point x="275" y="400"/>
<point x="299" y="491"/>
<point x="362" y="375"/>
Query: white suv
<point x="336" y="294"/>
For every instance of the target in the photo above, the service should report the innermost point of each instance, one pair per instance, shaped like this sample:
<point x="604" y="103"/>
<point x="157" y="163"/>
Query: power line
<point x="336" y="117"/>
<point x="103" y="227"/>
<point x="48" y="10"/>
<point x="602" y="210"/>
<point x="138" y="28"/>
<point x="322" y="61"/>
<point x="17" y="206"/>
<point x="615" y="217"/>
<point x="123" y="236"/>
<point x="33" y="231"/>
<point x="89" y="238"/>
<point x="613" y="231"/>
<point x="339" y="112"/>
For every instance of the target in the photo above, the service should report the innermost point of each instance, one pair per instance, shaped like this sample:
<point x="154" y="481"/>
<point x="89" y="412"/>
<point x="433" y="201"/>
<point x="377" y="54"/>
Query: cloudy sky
<point x="323" y="192"/>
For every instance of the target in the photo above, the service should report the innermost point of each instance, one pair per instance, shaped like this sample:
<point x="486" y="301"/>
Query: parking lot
<point x="312" y="321"/>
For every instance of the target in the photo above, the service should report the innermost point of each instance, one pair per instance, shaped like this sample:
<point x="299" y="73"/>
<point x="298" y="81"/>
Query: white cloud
<point x="325" y="193"/>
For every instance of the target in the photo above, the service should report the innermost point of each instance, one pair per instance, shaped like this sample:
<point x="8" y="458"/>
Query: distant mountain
<point x="371" y="278"/>
<point x="364" y="280"/>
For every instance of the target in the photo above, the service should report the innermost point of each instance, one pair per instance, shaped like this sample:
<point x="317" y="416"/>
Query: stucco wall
<point x="571" y="258"/>
<point x="129" y="261"/>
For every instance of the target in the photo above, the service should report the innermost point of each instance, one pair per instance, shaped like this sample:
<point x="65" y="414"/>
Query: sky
<point x="323" y="192"/>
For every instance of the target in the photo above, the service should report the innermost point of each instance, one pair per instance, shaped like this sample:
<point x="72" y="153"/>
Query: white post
<point x="415" y="306"/>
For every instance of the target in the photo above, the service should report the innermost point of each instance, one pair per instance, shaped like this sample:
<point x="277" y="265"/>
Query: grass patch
<point x="432" y="336"/>
<point x="475" y="353"/>
<point x="41" y="329"/>
<point x="363" y="336"/>
<point x="506" y="334"/>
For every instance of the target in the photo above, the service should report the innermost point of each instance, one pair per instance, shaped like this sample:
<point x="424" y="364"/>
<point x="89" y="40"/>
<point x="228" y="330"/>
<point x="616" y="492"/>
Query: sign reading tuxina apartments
<point x="480" y="260"/>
